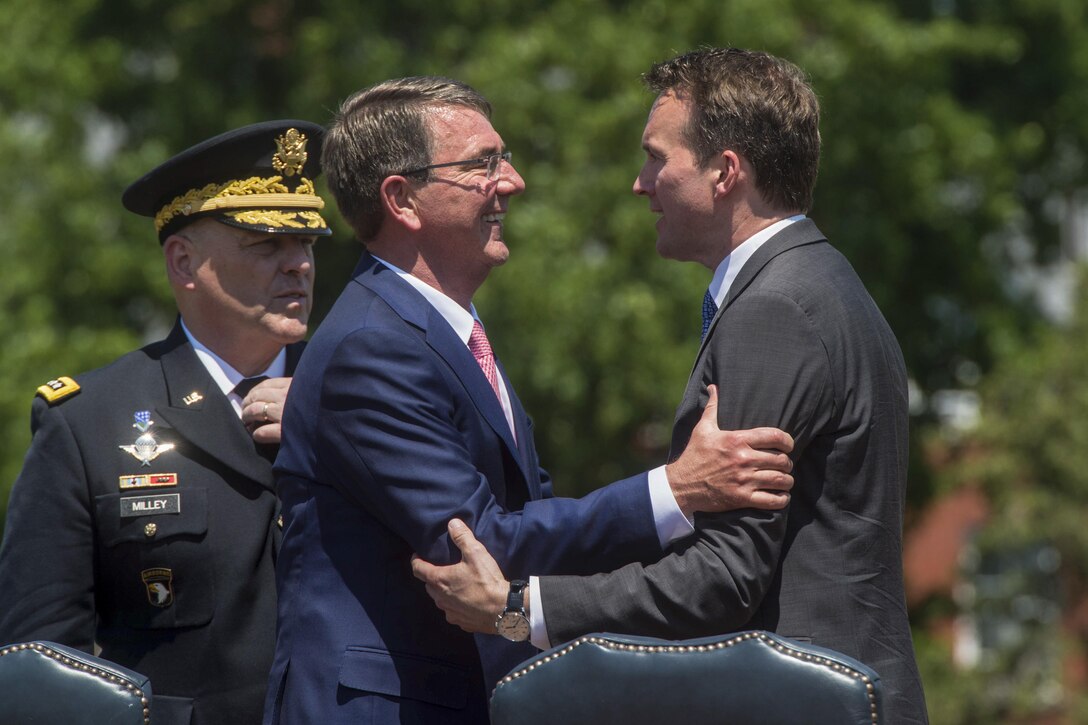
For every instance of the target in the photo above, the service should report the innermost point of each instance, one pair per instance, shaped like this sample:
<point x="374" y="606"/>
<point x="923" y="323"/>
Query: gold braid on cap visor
<point x="256" y="193"/>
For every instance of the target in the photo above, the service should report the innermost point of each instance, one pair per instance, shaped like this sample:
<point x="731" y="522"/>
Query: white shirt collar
<point x="225" y="376"/>
<point x="458" y="317"/>
<point x="461" y="320"/>
<point x="730" y="267"/>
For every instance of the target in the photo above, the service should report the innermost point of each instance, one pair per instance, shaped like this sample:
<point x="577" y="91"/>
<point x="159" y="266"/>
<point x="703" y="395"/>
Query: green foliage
<point x="1030" y="454"/>
<point x="952" y="696"/>
<point x="923" y="175"/>
<point x="1036" y="442"/>
<point x="950" y="127"/>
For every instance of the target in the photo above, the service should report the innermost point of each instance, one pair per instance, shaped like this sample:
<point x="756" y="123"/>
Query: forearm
<point x="401" y="441"/>
<point x="710" y="583"/>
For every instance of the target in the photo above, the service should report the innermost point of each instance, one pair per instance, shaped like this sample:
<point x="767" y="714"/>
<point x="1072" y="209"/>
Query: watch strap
<point x="515" y="600"/>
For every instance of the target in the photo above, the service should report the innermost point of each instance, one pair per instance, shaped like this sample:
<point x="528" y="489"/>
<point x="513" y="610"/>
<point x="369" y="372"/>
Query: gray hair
<point x="381" y="131"/>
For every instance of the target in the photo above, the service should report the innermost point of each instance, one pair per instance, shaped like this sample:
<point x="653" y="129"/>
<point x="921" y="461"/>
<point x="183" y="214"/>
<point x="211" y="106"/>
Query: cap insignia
<point x="290" y="154"/>
<point x="301" y="220"/>
<point x="254" y="192"/>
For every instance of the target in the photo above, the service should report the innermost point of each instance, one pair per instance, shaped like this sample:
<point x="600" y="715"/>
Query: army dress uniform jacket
<point x="145" y="520"/>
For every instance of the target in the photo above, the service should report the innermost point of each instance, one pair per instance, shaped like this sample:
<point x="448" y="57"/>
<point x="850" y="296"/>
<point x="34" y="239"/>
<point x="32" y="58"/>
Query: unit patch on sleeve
<point x="57" y="390"/>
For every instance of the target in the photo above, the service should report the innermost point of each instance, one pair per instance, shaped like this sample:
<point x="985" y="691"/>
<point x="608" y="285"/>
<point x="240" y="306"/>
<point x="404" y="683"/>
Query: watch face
<point x="513" y="626"/>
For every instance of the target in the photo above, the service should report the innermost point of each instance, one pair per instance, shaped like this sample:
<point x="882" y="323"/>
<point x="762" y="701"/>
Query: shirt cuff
<point x="538" y="631"/>
<point x="670" y="521"/>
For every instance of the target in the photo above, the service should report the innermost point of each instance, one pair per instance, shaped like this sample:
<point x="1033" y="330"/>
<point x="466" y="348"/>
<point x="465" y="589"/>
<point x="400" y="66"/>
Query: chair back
<point x="44" y="683"/>
<point x="747" y="678"/>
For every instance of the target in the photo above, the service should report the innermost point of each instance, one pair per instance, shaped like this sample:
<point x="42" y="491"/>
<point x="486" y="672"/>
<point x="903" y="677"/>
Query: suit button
<point x="150" y="530"/>
<point x="279" y="521"/>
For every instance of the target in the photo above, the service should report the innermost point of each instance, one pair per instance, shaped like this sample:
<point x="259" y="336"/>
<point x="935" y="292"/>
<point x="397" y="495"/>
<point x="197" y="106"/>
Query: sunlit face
<point x="460" y="209"/>
<point x="252" y="285"/>
<point x="679" y="191"/>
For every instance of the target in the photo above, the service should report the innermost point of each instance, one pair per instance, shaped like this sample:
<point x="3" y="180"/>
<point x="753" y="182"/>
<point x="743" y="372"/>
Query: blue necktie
<point x="710" y="308"/>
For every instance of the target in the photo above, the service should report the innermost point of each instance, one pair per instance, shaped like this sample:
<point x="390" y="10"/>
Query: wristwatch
<point x="512" y="623"/>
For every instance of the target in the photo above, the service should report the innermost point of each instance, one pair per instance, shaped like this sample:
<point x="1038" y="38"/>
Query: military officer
<point x="144" y="521"/>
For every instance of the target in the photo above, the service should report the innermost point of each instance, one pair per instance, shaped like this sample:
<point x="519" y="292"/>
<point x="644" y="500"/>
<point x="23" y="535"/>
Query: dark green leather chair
<point x="43" y="683"/>
<point x="748" y="678"/>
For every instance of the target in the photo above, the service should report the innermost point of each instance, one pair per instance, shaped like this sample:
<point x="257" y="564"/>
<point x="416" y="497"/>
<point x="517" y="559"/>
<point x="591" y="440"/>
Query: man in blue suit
<point x="400" y="419"/>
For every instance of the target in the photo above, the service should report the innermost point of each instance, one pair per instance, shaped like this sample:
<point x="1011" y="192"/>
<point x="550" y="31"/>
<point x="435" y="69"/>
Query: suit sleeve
<point x="47" y="557"/>
<point x="772" y="369"/>
<point x="395" y="441"/>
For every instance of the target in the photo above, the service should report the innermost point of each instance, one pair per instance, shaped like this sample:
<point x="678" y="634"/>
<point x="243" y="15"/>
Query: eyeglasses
<point x="492" y="163"/>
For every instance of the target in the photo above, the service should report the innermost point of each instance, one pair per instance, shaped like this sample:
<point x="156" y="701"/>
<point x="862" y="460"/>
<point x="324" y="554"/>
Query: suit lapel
<point x="294" y="352"/>
<point x="444" y="341"/>
<point x="795" y="235"/>
<point x="201" y="414"/>
<point x="524" y="437"/>
<point x="441" y="338"/>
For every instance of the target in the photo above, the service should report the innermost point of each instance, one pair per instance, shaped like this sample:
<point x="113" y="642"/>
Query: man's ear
<point x="728" y="166"/>
<point x="182" y="261"/>
<point x="399" y="201"/>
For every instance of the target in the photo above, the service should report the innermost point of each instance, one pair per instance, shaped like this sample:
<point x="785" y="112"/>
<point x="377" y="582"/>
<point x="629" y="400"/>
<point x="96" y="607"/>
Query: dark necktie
<point x="247" y="384"/>
<point x="710" y="308"/>
<point x="267" y="450"/>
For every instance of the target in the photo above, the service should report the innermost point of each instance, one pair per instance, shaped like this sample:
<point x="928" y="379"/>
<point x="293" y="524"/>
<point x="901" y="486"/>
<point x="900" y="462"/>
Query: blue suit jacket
<point x="391" y="429"/>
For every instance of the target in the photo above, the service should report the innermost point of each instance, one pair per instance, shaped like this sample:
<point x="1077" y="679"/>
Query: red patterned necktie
<point x="481" y="350"/>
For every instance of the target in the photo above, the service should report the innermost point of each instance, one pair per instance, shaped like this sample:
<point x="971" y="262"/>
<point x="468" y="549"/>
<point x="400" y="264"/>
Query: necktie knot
<point x="480" y="348"/>
<point x="247" y="384"/>
<point x="710" y="308"/>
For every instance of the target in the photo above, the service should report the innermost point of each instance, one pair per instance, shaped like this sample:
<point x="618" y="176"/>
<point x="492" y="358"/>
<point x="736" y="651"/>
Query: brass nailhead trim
<point x="64" y="659"/>
<point x="805" y="656"/>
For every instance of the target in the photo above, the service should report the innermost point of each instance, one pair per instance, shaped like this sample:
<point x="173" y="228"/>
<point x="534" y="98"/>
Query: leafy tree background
<point x="953" y="130"/>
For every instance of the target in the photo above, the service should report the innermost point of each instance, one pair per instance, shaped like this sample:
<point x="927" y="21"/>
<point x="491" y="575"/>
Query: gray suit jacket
<point x="799" y="344"/>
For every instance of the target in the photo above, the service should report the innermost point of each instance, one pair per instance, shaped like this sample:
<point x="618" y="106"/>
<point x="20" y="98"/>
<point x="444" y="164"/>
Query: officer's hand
<point x="262" y="409"/>
<point x="471" y="592"/>
<point x="722" y="470"/>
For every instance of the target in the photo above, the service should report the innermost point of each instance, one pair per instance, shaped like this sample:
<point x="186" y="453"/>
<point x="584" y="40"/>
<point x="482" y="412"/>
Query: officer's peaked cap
<point x="258" y="177"/>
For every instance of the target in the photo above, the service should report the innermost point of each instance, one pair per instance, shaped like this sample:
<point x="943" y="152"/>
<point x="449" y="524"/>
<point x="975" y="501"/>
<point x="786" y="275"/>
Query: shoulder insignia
<point x="57" y="390"/>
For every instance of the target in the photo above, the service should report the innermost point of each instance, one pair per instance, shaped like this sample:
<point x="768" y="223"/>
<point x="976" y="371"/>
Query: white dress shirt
<point x="731" y="266"/>
<point x="461" y="321"/>
<point x="225" y="376"/>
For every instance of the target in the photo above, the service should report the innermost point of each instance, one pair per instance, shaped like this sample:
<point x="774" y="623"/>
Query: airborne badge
<point x="146" y="448"/>
<point x="160" y="586"/>
<point x="290" y="154"/>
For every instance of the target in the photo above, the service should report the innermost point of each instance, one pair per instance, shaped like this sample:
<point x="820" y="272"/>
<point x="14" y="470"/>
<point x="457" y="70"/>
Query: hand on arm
<point x="262" y="409"/>
<point x="726" y="470"/>
<point x="471" y="592"/>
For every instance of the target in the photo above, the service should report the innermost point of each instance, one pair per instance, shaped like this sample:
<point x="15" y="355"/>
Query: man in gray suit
<point x="791" y="339"/>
